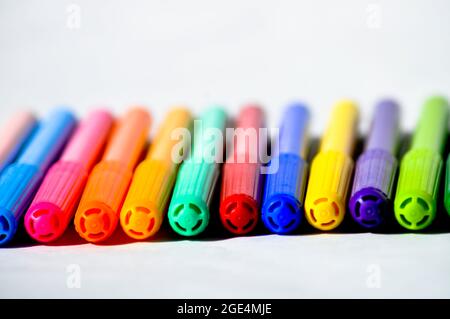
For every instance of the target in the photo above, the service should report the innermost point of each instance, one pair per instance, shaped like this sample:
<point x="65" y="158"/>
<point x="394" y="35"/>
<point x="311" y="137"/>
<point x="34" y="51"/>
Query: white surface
<point x="308" y="266"/>
<point x="160" y="53"/>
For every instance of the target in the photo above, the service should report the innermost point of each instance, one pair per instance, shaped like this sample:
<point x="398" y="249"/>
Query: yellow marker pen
<point x="143" y="211"/>
<point x="331" y="169"/>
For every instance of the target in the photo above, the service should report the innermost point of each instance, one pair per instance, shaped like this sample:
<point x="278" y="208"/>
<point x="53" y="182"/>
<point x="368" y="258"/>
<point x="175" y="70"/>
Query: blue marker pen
<point x="21" y="179"/>
<point x="284" y="190"/>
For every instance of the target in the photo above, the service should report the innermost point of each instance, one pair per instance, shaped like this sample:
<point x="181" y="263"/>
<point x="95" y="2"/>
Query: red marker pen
<point x="242" y="180"/>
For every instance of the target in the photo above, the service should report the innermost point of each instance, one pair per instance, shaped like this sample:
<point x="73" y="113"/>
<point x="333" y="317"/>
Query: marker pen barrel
<point x="340" y="134"/>
<point x="294" y="130"/>
<point x="21" y="179"/>
<point x="53" y="206"/>
<point x="282" y="209"/>
<point x="98" y="213"/>
<point x="189" y="207"/>
<point x="14" y="136"/>
<point x="384" y="130"/>
<point x="376" y="168"/>
<point x="331" y="170"/>
<point x="420" y="169"/>
<point x="242" y="180"/>
<point x="143" y="211"/>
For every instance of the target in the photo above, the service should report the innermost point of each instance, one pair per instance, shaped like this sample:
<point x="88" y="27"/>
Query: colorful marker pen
<point x="376" y="168"/>
<point x="189" y="208"/>
<point x="98" y="213"/>
<point x="242" y="179"/>
<point x="284" y="192"/>
<point x="144" y="208"/>
<point x="447" y="186"/>
<point x="420" y="169"/>
<point x="14" y="135"/>
<point x="331" y="170"/>
<point x="53" y="207"/>
<point x="21" y="179"/>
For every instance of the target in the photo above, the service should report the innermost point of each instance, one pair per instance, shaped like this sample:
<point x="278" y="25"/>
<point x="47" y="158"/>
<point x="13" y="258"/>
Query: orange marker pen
<point x="98" y="212"/>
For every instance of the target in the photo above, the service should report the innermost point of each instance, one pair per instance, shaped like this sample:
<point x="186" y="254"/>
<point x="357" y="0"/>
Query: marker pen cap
<point x="54" y="204"/>
<point x="98" y="213"/>
<point x="189" y="207"/>
<point x="420" y="168"/>
<point x="331" y="170"/>
<point x="282" y="209"/>
<point x="14" y="135"/>
<point x="21" y="179"/>
<point x="376" y="168"/>
<point x="143" y="211"/>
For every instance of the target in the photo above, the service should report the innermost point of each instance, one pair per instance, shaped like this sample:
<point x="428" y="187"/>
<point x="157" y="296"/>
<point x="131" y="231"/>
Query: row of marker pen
<point x="56" y="171"/>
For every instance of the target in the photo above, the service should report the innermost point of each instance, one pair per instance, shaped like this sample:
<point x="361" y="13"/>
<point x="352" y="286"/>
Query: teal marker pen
<point x="189" y="208"/>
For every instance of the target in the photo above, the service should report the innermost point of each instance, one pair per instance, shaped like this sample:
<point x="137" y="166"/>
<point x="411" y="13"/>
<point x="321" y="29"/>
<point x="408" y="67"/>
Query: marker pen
<point x="189" y="207"/>
<point x="242" y="179"/>
<point x="98" y="213"/>
<point x="420" y="168"/>
<point x="331" y="170"/>
<point x="447" y="186"/>
<point x="376" y="168"/>
<point x="14" y="135"/>
<point x="53" y="206"/>
<point x="20" y="180"/>
<point x="284" y="192"/>
<point x="144" y="208"/>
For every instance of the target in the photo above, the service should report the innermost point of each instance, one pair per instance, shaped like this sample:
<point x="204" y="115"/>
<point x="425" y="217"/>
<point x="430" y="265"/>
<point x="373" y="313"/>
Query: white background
<point x="162" y="53"/>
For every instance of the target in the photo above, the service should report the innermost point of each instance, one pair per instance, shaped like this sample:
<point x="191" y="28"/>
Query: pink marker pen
<point x="54" y="205"/>
<point x="14" y="135"/>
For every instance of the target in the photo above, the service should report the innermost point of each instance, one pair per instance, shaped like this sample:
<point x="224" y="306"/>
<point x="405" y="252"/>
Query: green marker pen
<point x="420" y="169"/>
<point x="447" y="186"/>
<point x="196" y="180"/>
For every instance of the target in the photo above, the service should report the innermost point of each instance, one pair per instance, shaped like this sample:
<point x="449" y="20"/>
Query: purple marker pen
<point x="376" y="168"/>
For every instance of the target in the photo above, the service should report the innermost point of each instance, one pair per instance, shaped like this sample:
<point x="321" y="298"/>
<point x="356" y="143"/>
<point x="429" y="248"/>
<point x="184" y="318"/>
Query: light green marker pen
<point x="196" y="180"/>
<point x="421" y="167"/>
